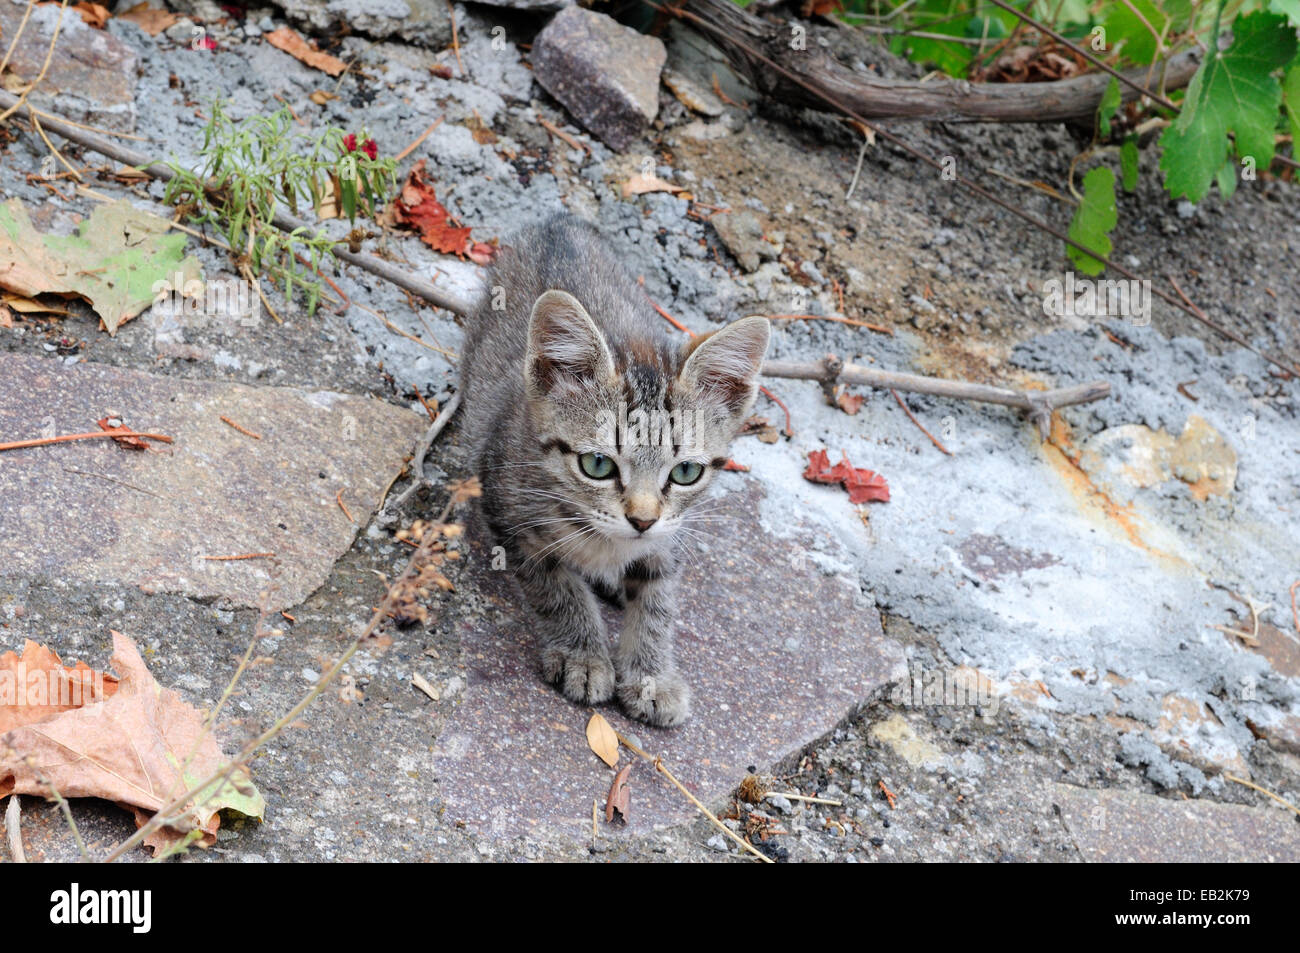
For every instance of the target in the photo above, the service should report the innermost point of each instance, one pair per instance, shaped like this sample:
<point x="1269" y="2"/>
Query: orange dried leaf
<point x="138" y="745"/>
<point x="850" y="403"/>
<point x="864" y="486"/>
<point x="620" y="795"/>
<point x="37" y="685"/>
<point x="113" y="425"/>
<point x="93" y="14"/>
<point x="293" y="44"/>
<point x="418" y="206"/>
<point x="150" y="19"/>
<point x="602" y="740"/>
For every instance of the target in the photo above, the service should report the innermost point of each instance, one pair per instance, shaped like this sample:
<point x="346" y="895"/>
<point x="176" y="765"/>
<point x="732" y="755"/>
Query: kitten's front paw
<point x="663" y="699"/>
<point x="585" y="677"/>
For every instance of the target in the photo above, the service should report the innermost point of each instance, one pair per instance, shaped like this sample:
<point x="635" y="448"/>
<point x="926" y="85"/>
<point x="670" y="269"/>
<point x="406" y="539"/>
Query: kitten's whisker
<point x="511" y="466"/>
<point x="546" y="494"/>
<point x="552" y="545"/>
<point x="529" y="524"/>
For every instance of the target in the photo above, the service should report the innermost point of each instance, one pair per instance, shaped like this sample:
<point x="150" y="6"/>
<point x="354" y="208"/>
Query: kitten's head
<point x="633" y="431"/>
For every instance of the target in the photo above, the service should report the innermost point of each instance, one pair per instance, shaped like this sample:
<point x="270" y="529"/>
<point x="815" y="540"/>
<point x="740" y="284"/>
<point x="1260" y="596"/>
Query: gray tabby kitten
<point x="594" y="432"/>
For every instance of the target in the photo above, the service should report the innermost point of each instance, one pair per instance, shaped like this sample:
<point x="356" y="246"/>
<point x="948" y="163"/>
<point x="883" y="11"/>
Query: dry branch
<point x="737" y="33"/>
<point x="1039" y="404"/>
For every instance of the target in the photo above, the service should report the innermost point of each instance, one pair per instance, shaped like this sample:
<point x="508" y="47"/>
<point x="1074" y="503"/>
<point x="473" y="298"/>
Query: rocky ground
<point x="1080" y="587"/>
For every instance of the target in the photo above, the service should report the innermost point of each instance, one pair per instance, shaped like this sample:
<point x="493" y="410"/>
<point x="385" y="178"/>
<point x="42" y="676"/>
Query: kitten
<point x="593" y="432"/>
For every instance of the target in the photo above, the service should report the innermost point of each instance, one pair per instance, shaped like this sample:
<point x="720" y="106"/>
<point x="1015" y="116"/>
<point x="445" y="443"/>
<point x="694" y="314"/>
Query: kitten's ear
<point x="723" y="366"/>
<point x="565" y="348"/>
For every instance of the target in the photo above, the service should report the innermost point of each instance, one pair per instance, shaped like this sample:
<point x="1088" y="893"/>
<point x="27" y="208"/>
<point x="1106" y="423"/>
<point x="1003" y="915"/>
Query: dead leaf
<point x="92" y="14"/>
<point x="293" y="44"/>
<point x="620" y="795"/>
<point x="602" y="740"/>
<point x="6" y="317"/>
<point x="138" y="745"/>
<point x="850" y="403"/>
<point x="150" y="19"/>
<point x="30" y="305"/>
<point x="49" y="687"/>
<point x="114" y="261"/>
<point x="418" y="206"/>
<point x="641" y="183"/>
<point x="114" y="424"/>
<point x="321" y="97"/>
<point x="864" y="486"/>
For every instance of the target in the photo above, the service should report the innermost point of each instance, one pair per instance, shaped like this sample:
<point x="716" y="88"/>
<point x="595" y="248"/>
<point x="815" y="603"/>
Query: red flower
<point x="208" y="43"/>
<point x="370" y="148"/>
<point x="350" y="142"/>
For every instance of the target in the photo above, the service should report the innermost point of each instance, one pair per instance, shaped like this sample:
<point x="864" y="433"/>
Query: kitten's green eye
<point x="686" y="472"/>
<point x="597" y="466"/>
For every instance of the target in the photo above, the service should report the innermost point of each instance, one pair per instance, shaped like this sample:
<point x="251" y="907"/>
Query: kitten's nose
<point x="641" y="525"/>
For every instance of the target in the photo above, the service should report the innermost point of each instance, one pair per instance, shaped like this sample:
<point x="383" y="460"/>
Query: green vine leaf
<point x="1124" y="24"/>
<point x="1128" y="163"/>
<point x="1231" y="92"/>
<point x="1094" y="220"/>
<point x="1226" y="179"/>
<point x="1106" y="109"/>
<point x="1291" y="94"/>
<point x="1288" y="8"/>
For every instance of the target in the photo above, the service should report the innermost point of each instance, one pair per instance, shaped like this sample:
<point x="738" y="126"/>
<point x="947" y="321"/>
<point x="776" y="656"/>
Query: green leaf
<point x="348" y="196"/>
<point x="1128" y="163"/>
<point x="1109" y="105"/>
<point x="1094" y="220"/>
<point x="1291" y="94"/>
<point x="1123" y="25"/>
<point x="944" y="17"/>
<point x="1288" y="8"/>
<point x="1227" y="178"/>
<point x="1231" y="92"/>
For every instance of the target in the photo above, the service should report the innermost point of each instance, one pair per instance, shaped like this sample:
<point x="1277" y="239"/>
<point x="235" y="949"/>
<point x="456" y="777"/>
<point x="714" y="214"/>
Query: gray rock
<point x="605" y="74"/>
<point x="181" y="31"/>
<point x="781" y="803"/>
<point x="717" y="842"/>
<point x="742" y="233"/>
<point x="425" y="22"/>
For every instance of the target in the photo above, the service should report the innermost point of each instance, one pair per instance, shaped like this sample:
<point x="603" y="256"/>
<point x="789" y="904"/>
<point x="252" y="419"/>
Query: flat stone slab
<point x="1110" y="826"/>
<point x="91" y="511"/>
<point x="91" y="76"/>
<point x="777" y="654"/>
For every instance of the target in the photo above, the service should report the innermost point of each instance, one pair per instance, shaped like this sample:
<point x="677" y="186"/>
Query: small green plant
<point x="249" y="168"/>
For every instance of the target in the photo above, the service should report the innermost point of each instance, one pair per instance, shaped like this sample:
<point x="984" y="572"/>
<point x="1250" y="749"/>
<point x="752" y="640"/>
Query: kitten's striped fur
<point x="562" y="343"/>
